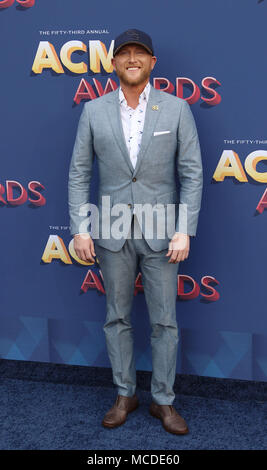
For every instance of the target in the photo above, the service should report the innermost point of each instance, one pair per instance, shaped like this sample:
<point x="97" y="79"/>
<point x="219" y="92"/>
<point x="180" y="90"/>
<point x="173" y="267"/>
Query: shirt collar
<point x="143" y="96"/>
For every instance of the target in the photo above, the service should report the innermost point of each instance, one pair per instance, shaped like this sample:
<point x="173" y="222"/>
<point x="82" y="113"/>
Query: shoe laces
<point x="118" y="400"/>
<point x="121" y="400"/>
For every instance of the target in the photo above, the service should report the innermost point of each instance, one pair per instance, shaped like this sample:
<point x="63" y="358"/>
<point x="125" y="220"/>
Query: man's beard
<point x="145" y="74"/>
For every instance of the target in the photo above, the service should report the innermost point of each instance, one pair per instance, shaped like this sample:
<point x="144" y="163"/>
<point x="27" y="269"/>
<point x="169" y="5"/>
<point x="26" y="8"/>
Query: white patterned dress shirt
<point x="133" y="122"/>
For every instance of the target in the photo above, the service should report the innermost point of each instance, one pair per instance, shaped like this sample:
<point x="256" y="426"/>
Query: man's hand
<point x="84" y="247"/>
<point x="178" y="247"/>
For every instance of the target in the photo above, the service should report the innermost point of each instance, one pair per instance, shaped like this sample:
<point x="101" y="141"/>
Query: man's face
<point x="133" y="64"/>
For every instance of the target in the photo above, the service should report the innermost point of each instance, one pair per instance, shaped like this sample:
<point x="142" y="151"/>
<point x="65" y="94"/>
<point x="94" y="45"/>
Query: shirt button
<point x="134" y="180"/>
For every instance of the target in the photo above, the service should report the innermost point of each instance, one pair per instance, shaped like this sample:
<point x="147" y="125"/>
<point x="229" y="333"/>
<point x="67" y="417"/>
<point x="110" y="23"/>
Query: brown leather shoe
<point x="171" y="420"/>
<point x="118" y="413"/>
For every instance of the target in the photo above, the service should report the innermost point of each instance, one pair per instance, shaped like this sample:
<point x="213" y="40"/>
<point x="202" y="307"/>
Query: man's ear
<point x="113" y="62"/>
<point x="154" y="62"/>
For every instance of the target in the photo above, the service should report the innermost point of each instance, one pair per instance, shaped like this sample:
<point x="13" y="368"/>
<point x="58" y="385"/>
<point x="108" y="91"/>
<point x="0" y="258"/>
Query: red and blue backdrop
<point x="55" y="56"/>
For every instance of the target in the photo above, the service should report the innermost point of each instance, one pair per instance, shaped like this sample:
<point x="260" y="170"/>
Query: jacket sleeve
<point x="190" y="172"/>
<point x="80" y="174"/>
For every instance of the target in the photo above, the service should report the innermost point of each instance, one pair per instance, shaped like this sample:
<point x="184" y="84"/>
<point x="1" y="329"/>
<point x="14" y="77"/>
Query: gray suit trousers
<point x="159" y="278"/>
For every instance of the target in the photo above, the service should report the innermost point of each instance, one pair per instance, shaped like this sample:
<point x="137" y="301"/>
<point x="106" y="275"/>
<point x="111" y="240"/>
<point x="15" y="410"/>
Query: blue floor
<point x="41" y="415"/>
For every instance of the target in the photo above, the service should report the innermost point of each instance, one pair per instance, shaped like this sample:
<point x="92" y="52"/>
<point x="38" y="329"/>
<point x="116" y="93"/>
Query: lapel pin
<point x="155" y="107"/>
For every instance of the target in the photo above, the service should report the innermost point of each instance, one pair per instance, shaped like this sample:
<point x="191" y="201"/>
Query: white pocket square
<point x="161" y="132"/>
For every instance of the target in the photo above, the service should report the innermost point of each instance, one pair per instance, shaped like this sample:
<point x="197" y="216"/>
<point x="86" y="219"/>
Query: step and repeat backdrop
<point x="55" y="56"/>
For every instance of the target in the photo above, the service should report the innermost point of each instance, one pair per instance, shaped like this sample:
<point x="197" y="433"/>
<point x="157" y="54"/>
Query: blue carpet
<point x="43" y="415"/>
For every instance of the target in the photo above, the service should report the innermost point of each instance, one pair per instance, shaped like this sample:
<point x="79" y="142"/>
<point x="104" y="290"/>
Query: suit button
<point x="134" y="180"/>
<point x="129" y="205"/>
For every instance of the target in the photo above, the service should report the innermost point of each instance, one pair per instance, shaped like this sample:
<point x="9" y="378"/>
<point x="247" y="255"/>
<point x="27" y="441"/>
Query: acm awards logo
<point x="187" y="287"/>
<point x="21" y="3"/>
<point x="14" y="194"/>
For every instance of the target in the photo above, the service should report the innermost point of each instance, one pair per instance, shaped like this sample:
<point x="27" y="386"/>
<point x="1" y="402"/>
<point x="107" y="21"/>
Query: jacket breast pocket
<point x="157" y="135"/>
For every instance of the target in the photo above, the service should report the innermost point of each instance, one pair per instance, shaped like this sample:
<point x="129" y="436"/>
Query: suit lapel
<point x="116" y="124"/>
<point x="153" y="110"/>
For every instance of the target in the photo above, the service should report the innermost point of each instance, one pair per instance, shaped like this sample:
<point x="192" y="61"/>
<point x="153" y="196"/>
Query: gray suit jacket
<point x="162" y="159"/>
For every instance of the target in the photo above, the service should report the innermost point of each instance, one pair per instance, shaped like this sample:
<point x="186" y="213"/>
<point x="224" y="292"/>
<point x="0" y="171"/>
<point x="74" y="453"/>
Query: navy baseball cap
<point x="133" y="36"/>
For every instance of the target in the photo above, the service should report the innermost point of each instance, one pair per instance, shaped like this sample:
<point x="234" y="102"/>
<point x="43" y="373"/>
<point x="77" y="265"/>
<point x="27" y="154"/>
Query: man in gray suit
<point x="145" y="141"/>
